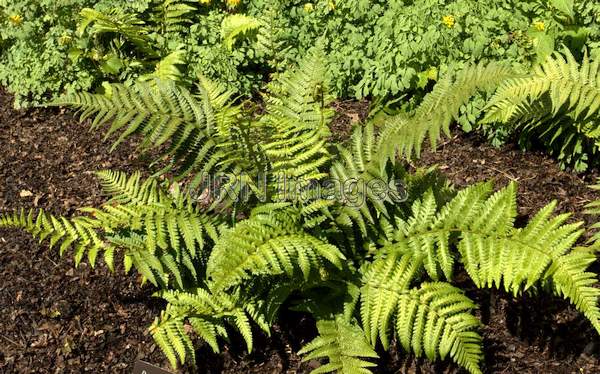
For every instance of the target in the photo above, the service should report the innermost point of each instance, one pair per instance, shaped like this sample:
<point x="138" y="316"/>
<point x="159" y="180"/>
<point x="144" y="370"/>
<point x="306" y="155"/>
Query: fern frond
<point x="434" y="319"/>
<point x="343" y="343"/>
<point x="206" y="312"/>
<point x="383" y="282"/>
<point x="157" y="111"/>
<point x="404" y="135"/>
<point x="297" y="117"/>
<point x="429" y="233"/>
<point x="170" y="337"/>
<point x="160" y="234"/>
<point x="559" y="102"/>
<point x="270" y="244"/>
<point x="570" y="280"/>
<point x="162" y="112"/>
<point x="492" y="250"/>
<point x="569" y="85"/>
<point x="236" y="25"/>
<point x="364" y="184"/>
<point x="127" y="189"/>
<point x="167" y="69"/>
<point x="128" y="25"/>
<point x="79" y="232"/>
<point x="173" y="15"/>
<point x="519" y="259"/>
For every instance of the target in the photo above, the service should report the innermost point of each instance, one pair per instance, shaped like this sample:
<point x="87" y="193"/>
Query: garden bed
<point x="59" y="319"/>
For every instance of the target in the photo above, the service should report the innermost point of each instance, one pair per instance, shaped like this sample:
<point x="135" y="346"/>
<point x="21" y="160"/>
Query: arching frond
<point x="405" y="134"/>
<point x="207" y="314"/>
<point x="270" y="244"/>
<point x="433" y="319"/>
<point x="569" y="85"/>
<point x="168" y="68"/>
<point x="236" y="25"/>
<point x="80" y="232"/>
<point x="559" y="103"/>
<point x="163" y="112"/>
<point x="492" y="250"/>
<point x="164" y="237"/>
<point x="343" y="343"/>
<point x="128" y="25"/>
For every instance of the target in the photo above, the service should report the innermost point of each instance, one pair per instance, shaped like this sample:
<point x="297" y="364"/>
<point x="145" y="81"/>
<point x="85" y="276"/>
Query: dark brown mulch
<point x="59" y="319"/>
<point x="347" y="114"/>
<point x="56" y="319"/>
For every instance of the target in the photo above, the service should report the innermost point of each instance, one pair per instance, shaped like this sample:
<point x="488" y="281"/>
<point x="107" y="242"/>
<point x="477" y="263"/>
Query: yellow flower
<point x="16" y="19"/>
<point x="232" y="3"/>
<point x="331" y="5"/>
<point x="449" y="21"/>
<point x="308" y="7"/>
<point x="539" y="25"/>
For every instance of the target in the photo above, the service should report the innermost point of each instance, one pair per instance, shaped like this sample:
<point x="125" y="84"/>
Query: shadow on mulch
<point x="56" y="319"/>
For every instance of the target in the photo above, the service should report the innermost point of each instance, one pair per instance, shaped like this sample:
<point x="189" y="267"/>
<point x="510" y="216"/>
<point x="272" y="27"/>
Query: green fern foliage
<point x="434" y="319"/>
<point x="206" y="313"/>
<point x="173" y="15"/>
<point x="160" y="234"/>
<point x="235" y="26"/>
<point x="78" y="232"/>
<point x="593" y="208"/>
<point x="126" y="189"/>
<point x="343" y="344"/>
<point x="168" y="68"/>
<point x="569" y="85"/>
<point x="405" y="134"/>
<point x="297" y="118"/>
<point x="559" y="102"/>
<point x="494" y="253"/>
<point x="372" y="261"/>
<point x="374" y="192"/>
<point x="270" y="244"/>
<point x="163" y="112"/>
<point x="127" y="25"/>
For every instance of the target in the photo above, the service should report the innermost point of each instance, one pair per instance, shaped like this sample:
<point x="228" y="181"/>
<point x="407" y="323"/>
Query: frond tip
<point x="343" y="344"/>
<point x="434" y="319"/>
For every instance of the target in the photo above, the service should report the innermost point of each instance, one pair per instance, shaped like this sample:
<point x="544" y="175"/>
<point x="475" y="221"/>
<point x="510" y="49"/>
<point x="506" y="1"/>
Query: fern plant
<point x="373" y="262"/>
<point x="207" y="135"/>
<point x="440" y="108"/>
<point x="559" y="102"/>
<point x="162" y="234"/>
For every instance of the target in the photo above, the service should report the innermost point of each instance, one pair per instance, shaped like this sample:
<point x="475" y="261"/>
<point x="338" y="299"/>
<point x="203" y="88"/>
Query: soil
<point x="57" y="319"/>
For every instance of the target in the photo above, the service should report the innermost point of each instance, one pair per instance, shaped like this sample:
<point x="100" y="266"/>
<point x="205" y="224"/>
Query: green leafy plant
<point x="162" y="234"/>
<point x="370" y="267"/>
<point x="374" y="48"/>
<point x="558" y="103"/>
<point x="34" y="47"/>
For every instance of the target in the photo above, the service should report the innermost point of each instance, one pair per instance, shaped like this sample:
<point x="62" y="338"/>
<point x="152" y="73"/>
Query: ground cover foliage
<point x="393" y="52"/>
<point x="376" y="270"/>
<point x="235" y="97"/>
